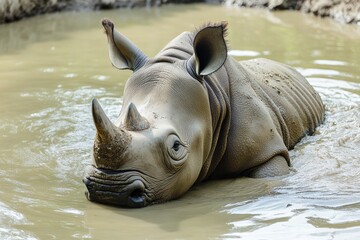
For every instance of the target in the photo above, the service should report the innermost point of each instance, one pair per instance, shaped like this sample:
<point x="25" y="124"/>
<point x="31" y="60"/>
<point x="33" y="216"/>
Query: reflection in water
<point x="53" y="65"/>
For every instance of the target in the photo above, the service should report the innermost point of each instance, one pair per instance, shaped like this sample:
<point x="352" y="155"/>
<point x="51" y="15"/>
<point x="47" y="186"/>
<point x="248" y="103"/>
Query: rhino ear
<point x="122" y="52"/>
<point x="210" y="50"/>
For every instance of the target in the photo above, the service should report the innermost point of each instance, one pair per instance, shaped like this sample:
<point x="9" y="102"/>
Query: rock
<point x="248" y="3"/>
<point x="345" y="11"/>
<point x="12" y="10"/>
<point x="286" y="4"/>
<point x="270" y="4"/>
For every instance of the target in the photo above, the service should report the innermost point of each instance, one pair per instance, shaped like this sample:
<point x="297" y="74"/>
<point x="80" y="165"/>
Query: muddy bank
<point x="344" y="11"/>
<point x="12" y="10"/>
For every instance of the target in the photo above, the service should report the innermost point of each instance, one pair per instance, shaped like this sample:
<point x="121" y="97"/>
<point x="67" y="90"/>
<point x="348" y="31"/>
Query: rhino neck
<point x="219" y="100"/>
<point x="180" y="48"/>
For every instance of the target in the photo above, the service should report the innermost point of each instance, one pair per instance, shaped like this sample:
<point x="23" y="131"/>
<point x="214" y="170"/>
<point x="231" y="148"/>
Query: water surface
<point x="52" y="66"/>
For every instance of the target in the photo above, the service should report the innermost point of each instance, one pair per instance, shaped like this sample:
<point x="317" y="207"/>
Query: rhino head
<point x="156" y="149"/>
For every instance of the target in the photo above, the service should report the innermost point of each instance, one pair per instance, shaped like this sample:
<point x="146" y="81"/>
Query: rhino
<point x="193" y="113"/>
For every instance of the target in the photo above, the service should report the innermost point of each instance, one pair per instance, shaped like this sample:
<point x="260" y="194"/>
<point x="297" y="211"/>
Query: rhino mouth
<point x="119" y="188"/>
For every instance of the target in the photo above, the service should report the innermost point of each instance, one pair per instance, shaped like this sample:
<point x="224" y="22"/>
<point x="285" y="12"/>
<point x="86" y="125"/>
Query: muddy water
<point x="52" y="66"/>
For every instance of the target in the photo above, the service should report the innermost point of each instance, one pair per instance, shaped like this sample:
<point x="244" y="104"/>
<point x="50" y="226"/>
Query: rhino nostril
<point x="137" y="195"/>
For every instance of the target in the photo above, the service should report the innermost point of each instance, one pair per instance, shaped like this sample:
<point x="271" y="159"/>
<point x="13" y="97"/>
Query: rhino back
<point x="295" y="106"/>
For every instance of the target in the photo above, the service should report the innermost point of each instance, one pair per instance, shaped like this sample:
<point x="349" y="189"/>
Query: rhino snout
<point x="131" y="196"/>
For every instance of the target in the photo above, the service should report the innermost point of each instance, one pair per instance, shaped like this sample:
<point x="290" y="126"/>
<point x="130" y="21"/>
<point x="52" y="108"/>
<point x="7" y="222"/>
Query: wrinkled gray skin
<point x="193" y="113"/>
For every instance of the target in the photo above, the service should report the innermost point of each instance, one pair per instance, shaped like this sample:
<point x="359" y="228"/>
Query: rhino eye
<point x="175" y="148"/>
<point x="176" y="145"/>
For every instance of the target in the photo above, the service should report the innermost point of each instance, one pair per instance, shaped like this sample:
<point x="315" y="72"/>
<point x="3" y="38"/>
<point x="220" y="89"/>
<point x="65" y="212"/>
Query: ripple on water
<point x="47" y="70"/>
<point x="70" y="131"/>
<point x="326" y="83"/>
<point x="70" y="211"/>
<point x="70" y="75"/>
<point x="243" y="53"/>
<point x="330" y="62"/>
<point x="308" y="72"/>
<point x="11" y="214"/>
<point x="100" y="77"/>
<point x="9" y="217"/>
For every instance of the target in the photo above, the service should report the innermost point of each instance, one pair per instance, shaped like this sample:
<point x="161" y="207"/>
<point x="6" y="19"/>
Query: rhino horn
<point x="122" y="52"/>
<point x="106" y="130"/>
<point x="134" y="121"/>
